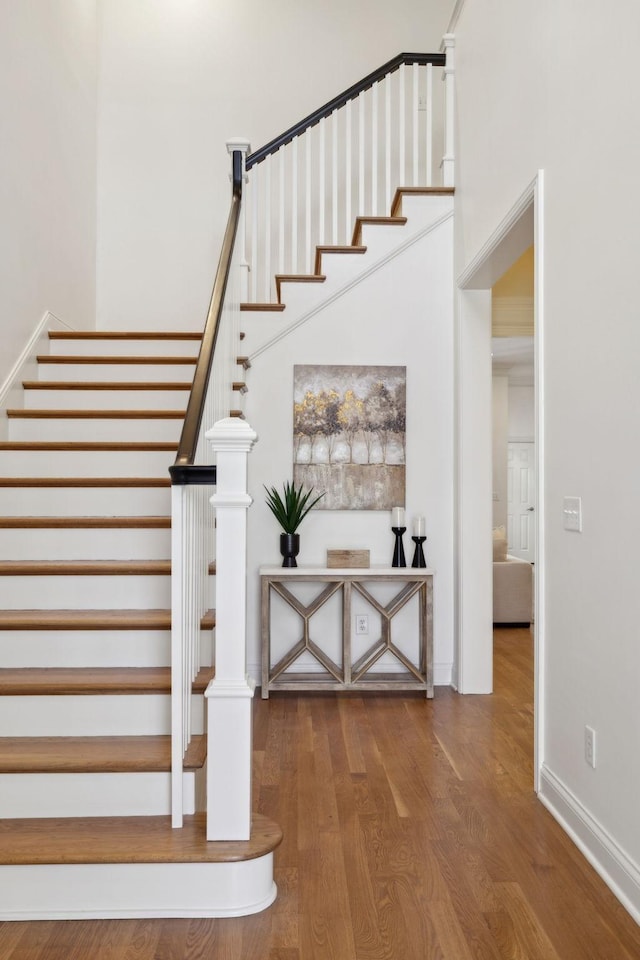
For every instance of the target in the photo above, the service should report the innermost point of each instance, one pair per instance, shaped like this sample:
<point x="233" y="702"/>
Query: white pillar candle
<point x="419" y="527"/>
<point x="397" y="517"/>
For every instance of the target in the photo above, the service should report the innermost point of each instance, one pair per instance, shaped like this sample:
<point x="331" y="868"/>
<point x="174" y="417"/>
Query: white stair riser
<point x="82" y="463"/>
<point x="81" y="544"/>
<point x="106" y="399"/>
<point x="93" y="648"/>
<point x="107" y="715"/>
<point x="99" y="429"/>
<point x="96" y="347"/>
<point x="85" y="501"/>
<point x="121" y="890"/>
<point x="104" y="372"/>
<point x="37" y="795"/>
<point x="85" y="592"/>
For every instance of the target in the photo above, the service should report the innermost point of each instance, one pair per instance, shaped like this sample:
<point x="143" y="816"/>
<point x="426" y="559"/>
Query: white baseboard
<point x="615" y="867"/>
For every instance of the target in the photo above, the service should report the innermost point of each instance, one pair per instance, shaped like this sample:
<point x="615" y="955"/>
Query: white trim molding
<point x="609" y="860"/>
<point x="34" y="345"/>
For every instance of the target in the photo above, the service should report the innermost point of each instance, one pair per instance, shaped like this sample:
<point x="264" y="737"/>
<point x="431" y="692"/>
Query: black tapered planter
<point x="289" y="548"/>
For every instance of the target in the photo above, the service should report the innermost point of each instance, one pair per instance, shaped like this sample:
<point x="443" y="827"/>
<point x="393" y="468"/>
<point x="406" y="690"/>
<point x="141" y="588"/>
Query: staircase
<point x="85" y="624"/>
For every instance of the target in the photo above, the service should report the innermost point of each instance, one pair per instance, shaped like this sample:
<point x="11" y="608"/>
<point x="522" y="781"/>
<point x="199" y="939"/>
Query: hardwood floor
<point x="411" y="832"/>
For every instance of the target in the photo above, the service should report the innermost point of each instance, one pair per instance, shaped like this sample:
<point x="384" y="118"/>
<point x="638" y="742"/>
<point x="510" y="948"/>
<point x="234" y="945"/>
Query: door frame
<point x="523" y="225"/>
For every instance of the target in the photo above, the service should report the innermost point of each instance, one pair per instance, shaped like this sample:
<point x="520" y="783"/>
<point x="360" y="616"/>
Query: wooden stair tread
<point x="20" y="413"/>
<point x="128" y="840"/>
<point x="334" y="249"/>
<point x="131" y="385"/>
<point x="95" y="754"/>
<point x="64" y="681"/>
<point x="296" y="278"/>
<point x="374" y="221"/>
<point x="49" y="568"/>
<point x="396" y="203"/>
<point x="81" y="446"/>
<point x="91" y="358"/>
<point x="123" y="335"/>
<point x="85" y="482"/>
<point x="262" y="307"/>
<point x="85" y="523"/>
<point x="155" y="619"/>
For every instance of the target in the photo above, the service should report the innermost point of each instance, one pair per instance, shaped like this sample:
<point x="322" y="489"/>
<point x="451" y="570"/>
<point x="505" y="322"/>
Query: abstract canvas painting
<point x="349" y="433"/>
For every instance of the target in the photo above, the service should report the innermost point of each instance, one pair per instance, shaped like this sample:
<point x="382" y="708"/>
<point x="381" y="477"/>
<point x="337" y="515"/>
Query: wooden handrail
<point x="437" y="59"/>
<point x="195" y="407"/>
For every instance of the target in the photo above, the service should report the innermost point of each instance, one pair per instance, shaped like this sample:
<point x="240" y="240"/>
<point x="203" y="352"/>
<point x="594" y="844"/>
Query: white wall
<point x="48" y="58"/>
<point x="548" y="105"/>
<point x="361" y="328"/>
<point x="521" y="412"/>
<point x="177" y="80"/>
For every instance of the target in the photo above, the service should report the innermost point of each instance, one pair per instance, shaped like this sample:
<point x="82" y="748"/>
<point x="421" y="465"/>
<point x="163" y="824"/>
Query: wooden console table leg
<point x="346" y="631"/>
<point x="265" y="620"/>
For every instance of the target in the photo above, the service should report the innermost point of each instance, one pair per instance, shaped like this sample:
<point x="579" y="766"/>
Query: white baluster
<point x="266" y="163"/>
<point x="307" y="218"/>
<point x="294" y="206"/>
<point x="374" y="149"/>
<point x="255" y="246"/>
<point x="321" y="180"/>
<point x="281" y="164"/>
<point x="334" y="177"/>
<point x="402" y="79"/>
<point x="387" y="144"/>
<point x="348" y="174"/>
<point x="415" y="106"/>
<point x="361" y="148"/>
<point x="429" y="126"/>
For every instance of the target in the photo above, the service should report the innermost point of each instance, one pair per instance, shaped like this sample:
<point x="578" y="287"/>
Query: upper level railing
<point x="192" y="476"/>
<point x="346" y="159"/>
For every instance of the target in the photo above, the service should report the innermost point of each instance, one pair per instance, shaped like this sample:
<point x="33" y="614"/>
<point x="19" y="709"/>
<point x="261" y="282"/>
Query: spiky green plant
<point x="291" y="509"/>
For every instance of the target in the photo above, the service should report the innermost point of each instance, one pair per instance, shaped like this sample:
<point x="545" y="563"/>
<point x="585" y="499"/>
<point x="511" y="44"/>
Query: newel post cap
<point x="232" y="433"/>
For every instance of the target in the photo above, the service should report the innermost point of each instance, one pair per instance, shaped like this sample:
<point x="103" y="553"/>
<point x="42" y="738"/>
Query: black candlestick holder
<point x="418" y="556"/>
<point x="398" y="550"/>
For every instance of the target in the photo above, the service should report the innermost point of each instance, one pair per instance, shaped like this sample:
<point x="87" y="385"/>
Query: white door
<point x="521" y="500"/>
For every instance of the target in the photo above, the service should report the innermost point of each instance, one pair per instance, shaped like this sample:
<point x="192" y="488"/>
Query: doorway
<point x="521" y="499"/>
<point x="521" y="228"/>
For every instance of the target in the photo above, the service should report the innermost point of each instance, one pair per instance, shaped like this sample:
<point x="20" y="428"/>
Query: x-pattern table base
<point x="357" y="675"/>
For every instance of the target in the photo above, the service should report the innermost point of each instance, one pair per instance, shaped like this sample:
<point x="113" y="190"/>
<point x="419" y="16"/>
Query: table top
<point x="358" y="573"/>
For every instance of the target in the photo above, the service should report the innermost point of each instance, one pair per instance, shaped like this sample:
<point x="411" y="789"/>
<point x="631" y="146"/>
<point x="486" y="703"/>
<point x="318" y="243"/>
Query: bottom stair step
<point x="119" y="867"/>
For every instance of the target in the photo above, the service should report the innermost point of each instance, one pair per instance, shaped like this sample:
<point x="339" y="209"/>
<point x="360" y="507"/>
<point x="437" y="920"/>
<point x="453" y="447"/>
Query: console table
<point x="349" y="675"/>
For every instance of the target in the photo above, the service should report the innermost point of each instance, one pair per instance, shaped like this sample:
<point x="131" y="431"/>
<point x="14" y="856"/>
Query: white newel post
<point x="448" y="160"/>
<point x="229" y="695"/>
<point x="243" y="145"/>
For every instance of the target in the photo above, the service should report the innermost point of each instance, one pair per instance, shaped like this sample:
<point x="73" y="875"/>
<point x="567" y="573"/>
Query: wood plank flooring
<point x="411" y="832"/>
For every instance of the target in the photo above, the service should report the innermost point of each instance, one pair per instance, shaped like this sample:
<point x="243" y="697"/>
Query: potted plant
<point x="290" y="510"/>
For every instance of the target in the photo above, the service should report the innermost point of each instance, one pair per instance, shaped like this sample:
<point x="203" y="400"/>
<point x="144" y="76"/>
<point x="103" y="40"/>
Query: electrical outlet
<point x="362" y="624"/>
<point x="590" y="746"/>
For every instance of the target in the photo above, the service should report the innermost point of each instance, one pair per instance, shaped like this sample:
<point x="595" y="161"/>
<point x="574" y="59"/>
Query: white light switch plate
<point x="572" y="513"/>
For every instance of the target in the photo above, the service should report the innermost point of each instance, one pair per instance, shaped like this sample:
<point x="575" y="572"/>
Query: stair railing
<point x="346" y="159"/>
<point x="192" y="477"/>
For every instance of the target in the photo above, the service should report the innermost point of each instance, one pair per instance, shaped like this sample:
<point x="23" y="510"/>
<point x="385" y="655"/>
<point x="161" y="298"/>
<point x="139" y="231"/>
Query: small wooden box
<point x="347" y="559"/>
